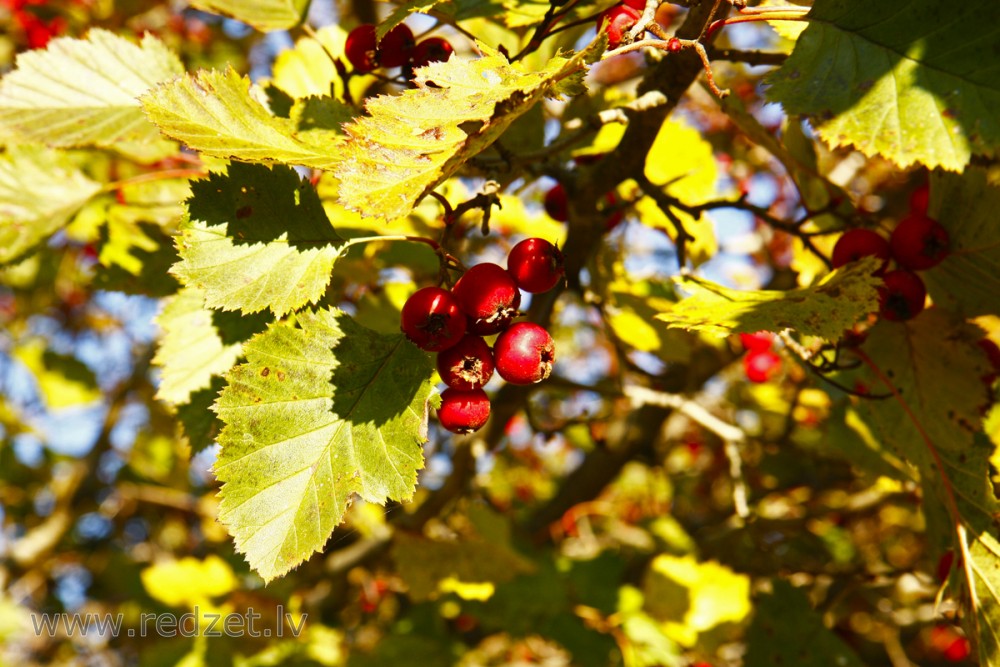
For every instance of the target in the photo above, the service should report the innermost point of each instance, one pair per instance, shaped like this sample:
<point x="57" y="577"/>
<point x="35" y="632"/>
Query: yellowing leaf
<point x="188" y="581"/>
<point x="84" y="92"/>
<point x="308" y="70"/>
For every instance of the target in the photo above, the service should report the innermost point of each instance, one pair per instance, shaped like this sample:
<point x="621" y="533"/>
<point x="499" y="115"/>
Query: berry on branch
<point x="432" y="319"/>
<point x="524" y="353"/>
<point x="488" y="295"/>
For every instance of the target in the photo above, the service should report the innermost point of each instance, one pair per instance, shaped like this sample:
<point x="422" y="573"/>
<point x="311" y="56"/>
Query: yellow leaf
<point x="188" y="581"/>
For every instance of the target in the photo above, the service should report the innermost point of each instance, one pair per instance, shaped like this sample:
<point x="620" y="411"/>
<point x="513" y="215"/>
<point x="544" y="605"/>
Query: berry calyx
<point x="556" y="204"/>
<point x="524" y="353"/>
<point x="466" y="365"/>
<point x="857" y="243"/>
<point x="488" y="295"/>
<point x="432" y="319"/>
<point x="761" y="365"/>
<point x="360" y="49"/>
<point x="396" y="47"/>
<point x="464" y="411"/>
<point x="902" y="296"/>
<point x="919" y="243"/>
<point x="757" y="342"/>
<point x="536" y="265"/>
<point x="616" y="22"/>
<point x="432" y="50"/>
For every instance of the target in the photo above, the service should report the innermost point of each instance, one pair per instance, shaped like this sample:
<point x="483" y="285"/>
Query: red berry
<point x="617" y="214"/>
<point x="857" y="243"/>
<point x="635" y="4"/>
<point x="555" y="203"/>
<point x="396" y="47"/>
<point x="761" y="365"/>
<point x="536" y="265"/>
<point x="919" y="242"/>
<point x="616" y="22"/>
<point x="674" y="45"/>
<point x="466" y="365"/>
<point x="432" y="320"/>
<point x="464" y="411"/>
<point x="944" y="564"/>
<point x="488" y="295"/>
<point x="360" y="48"/>
<point x="902" y="296"/>
<point x="524" y="353"/>
<point x="958" y="650"/>
<point x="756" y="342"/>
<point x="432" y="50"/>
<point x="920" y="199"/>
<point x="992" y="353"/>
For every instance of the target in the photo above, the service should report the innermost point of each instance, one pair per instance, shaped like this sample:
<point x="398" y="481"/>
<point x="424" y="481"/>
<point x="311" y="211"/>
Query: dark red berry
<point x="617" y="214"/>
<point x="920" y="199"/>
<point x="755" y="342"/>
<point x="635" y="4"/>
<point x="761" y="365"/>
<point x="944" y="565"/>
<point x="536" y="265"/>
<point x="467" y="364"/>
<point x="616" y="22"/>
<point x="488" y="295"/>
<point x="396" y="47"/>
<point x="556" y="204"/>
<point x="360" y="48"/>
<point x="432" y="50"/>
<point x="464" y="411"/>
<point x="432" y="319"/>
<point x="902" y="296"/>
<point x="857" y="243"/>
<point x="919" y="243"/>
<point x="674" y="45"/>
<point x="524" y="353"/>
<point x="992" y="353"/>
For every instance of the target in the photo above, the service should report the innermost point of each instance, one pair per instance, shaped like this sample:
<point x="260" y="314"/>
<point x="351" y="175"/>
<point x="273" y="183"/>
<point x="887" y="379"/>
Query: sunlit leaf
<point x="84" y="92"/>
<point x="265" y="15"/>
<point x="63" y="381"/>
<point x="320" y="413"/>
<point x="188" y="581"/>
<point x="905" y="79"/>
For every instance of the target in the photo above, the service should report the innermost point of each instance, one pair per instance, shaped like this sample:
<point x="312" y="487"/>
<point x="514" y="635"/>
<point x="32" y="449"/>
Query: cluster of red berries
<point x="618" y="20"/>
<point x="484" y="302"/>
<point x="760" y="363"/>
<point x="37" y="20"/>
<point x="918" y="243"/>
<point x="557" y="204"/>
<point x="398" y="48"/>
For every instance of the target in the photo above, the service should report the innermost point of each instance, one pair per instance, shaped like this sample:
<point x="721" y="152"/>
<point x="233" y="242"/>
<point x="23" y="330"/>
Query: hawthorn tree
<point x="744" y="404"/>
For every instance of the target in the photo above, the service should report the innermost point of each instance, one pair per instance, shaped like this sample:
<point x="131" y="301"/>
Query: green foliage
<point x="262" y="14"/>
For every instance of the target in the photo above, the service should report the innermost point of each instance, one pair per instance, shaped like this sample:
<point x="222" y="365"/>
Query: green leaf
<point x="265" y="15"/>
<point x="905" y="79"/>
<point x="201" y="426"/>
<point x="319" y="413"/>
<point x="63" y="381"/>
<point x="786" y="631"/>
<point x="217" y="114"/>
<point x="257" y="239"/>
<point x="825" y="310"/>
<point x="83" y="92"/>
<point x="39" y="191"/>
<point x="190" y="351"/>
<point x="410" y="143"/>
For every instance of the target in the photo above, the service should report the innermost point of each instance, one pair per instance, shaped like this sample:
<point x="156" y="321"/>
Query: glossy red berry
<point x="761" y="365"/>
<point x="488" y="295"/>
<point x="464" y="411"/>
<point x="920" y="199"/>
<point x="635" y="4"/>
<point x="556" y="204"/>
<point x="396" y="47"/>
<point x="755" y="342"/>
<point x="432" y="319"/>
<point x="902" y="296"/>
<point x="536" y="265"/>
<point x="616" y="22"/>
<point x="524" y="353"/>
<point x="432" y="50"/>
<point x="360" y="48"/>
<point x="857" y="243"/>
<point x="466" y="365"/>
<point x="674" y="45"/>
<point x="919" y="243"/>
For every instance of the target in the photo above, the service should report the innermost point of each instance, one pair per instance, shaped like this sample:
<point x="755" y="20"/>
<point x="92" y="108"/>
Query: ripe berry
<point x="555" y="203"/>
<point x="466" y="365"/>
<point x="761" y="365"/>
<point x="536" y="265"/>
<point x="396" y="47"/>
<point x="674" y="45"/>
<point x="432" y="50"/>
<point x="756" y="342"/>
<point x="616" y="22"/>
<point x="919" y="242"/>
<point x="524" y="353"/>
<point x="360" y="48"/>
<point x="920" y="199"/>
<point x="488" y="295"/>
<point x="857" y="243"/>
<point x="903" y="295"/>
<point x="635" y="4"/>
<point x="464" y="411"/>
<point x="432" y="320"/>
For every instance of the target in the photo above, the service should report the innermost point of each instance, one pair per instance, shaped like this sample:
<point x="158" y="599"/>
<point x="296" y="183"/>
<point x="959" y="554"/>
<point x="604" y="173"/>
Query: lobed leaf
<point x="905" y="79"/>
<point x="320" y="412"/>
<point x="84" y="92"/>
<point x="265" y="15"/>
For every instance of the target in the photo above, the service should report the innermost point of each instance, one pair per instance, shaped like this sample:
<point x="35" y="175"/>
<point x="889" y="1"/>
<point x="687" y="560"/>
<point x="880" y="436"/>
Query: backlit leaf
<point x="63" y="381"/>
<point x="321" y="412"/>
<point x="905" y="79"/>
<point x="265" y="15"/>
<point x="188" y="581"/>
